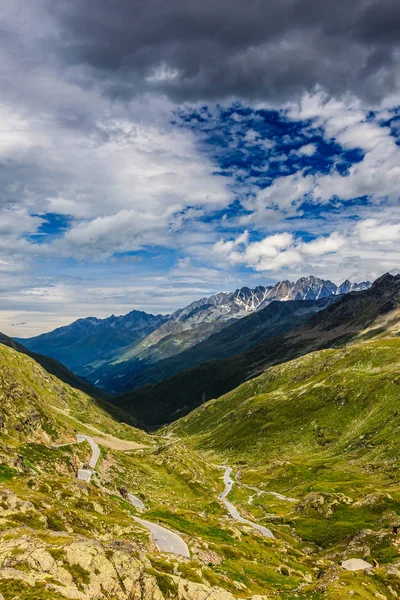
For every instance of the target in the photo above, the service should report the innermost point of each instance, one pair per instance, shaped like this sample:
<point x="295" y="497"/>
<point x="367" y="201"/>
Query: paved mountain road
<point x="95" y="449"/>
<point x="86" y="474"/>
<point x="233" y="510"/>
<point x="136" y="502"/>
<point x="165" y="540"/>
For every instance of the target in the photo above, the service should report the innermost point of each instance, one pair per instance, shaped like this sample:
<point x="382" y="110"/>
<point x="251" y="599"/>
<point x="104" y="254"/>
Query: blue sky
<point x="114" y="199"/>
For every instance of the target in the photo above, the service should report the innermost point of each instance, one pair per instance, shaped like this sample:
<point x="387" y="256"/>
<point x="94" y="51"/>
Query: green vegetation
<point x="14" y="588"/>
<point x="80" y="575"/>
<point x="322" y="431"/>
<point x="334" y="402"/>
<point x="6" y="473"/>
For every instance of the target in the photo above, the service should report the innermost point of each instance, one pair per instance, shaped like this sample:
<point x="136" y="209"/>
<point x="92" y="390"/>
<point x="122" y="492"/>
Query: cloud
<point x="213" y="50"/>
<point x="323" y="245"/>
<point x="376" y="175"/>
<point x="112" y="145"/>
<point x="276" y="251"/>
<point x="307" y="150"/>
<point x="362" y="251"/>
<point x="371" y="230"/>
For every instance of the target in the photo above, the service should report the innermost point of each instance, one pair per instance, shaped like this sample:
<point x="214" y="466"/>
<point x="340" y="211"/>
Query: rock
<point x="374" y="499"/>
<point x="187" y="590"/>
<point x="356" y="564"/>
<point x="209" y="556"/>
<point x="321" y="503"/>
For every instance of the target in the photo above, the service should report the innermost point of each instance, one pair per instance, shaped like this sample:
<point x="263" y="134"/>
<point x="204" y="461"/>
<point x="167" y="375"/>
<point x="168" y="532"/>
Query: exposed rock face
<point x="75" y="567"/>
<point x="188" y="590"/>
<point x="79" y="569"/>
<point x="321" y="503"/>
<point x="83" y="569"/>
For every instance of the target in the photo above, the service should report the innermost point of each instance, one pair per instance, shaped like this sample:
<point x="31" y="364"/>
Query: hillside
<point x="345" y="402"/>
<point x="313" y="444"/>
<point x="242" y="335"/>
<point x="56" y="368"/>
<point x="322" y="429"/>
<point x="351" y="317"/>
<point x="63" y="538"/>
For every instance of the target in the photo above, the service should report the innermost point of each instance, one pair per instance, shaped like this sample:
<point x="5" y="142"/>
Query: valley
<point x="93" y="507"/>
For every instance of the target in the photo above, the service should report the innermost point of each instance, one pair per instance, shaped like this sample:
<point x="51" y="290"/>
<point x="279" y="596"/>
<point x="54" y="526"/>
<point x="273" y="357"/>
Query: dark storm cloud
<point x="211" y="49"/>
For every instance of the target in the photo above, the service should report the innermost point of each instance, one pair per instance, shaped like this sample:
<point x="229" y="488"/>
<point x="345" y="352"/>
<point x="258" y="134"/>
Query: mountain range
<point x="338" y="323"/>
<point x="111" y="352"/>
<point x="92" y="340"/>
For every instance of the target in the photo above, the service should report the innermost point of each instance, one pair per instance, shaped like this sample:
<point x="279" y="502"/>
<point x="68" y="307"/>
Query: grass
<point x="7" y="473"/>
<point x="15" y="588"/>
<point x="336" y="454"/>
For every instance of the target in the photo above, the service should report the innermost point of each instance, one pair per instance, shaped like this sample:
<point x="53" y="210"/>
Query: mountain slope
<point x="110" y="351"/>
<point x="342" y="321"/>
<point x="242" y="335"/>
<point x="344" y="401"/>
<point x="63" y="538"/>
<point x="322" y="429"/>
<point x="313" y="445"/>
<point x="56" y="368"/>
<point x="194" y="324"/>
<point x="89" y="340"/>
<point x="207" y="316"/>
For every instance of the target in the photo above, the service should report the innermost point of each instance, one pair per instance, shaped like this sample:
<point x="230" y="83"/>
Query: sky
<point x="152" y="153"/>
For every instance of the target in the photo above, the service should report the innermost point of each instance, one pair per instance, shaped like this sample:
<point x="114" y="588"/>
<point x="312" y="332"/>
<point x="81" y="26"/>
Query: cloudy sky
<point x="155" y="152"/>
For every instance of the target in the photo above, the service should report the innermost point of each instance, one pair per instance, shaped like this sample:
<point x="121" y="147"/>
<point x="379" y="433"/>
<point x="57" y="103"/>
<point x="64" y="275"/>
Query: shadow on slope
<point x="341" y="322"/>
<point x="276" y="319"/>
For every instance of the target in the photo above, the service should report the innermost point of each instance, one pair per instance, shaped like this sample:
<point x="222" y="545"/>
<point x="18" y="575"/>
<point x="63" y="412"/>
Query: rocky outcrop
<point x="83" y="569"/>
<point x="321" y="503"/>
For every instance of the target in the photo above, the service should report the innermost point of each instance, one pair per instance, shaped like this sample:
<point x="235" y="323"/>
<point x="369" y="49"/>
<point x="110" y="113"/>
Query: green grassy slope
<point x="344" y="401"/>
<point x="358" y="315"/>
<point x="323" y="429"/>
<point x="56" y="368"/>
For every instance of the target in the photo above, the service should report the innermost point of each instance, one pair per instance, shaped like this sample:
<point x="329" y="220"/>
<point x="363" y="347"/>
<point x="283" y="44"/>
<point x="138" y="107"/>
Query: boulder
<point x="356" y="564"/>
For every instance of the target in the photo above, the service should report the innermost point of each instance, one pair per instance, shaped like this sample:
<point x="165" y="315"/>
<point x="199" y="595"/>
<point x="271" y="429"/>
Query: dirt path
<point x="102" y="438"/>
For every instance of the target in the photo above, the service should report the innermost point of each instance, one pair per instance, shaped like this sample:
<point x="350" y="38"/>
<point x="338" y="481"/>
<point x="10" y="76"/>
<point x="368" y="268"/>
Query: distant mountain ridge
<point x="91" y="339"/>
<point x="210" y="314"/>
<point x="91" y="347"/>
<point x="239" y="336"/>
<point x="247" y="300"/>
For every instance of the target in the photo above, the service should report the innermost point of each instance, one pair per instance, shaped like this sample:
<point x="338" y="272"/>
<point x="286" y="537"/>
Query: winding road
<point x="233" y="510"/>
<point x="136" y="502"/>
<point x="86" y="474"/>
<point x="165" y="540"/>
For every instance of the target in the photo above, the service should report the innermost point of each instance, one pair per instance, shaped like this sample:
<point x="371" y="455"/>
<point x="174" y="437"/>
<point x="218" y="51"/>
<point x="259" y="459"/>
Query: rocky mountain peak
<point x="386" y="280"/>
